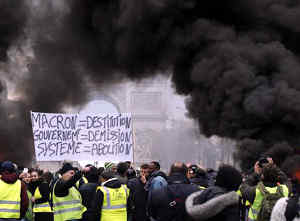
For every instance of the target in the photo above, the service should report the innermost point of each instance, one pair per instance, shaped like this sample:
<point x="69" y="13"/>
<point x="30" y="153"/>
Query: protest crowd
<point x="120" y="192"/>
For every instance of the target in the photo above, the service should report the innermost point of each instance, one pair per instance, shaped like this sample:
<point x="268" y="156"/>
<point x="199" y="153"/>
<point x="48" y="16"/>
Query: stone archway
<point x="101" y="102"/>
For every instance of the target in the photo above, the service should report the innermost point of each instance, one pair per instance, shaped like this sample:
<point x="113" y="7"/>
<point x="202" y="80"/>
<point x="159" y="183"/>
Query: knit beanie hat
<point x="229" y="178"/>
<point x="65" y="168"/>
<point x="109" y="165"/>
<point x="8" y="166"/>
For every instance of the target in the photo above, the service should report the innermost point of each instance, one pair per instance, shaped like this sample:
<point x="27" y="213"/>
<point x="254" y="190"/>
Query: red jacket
<point x="12" y="178"/>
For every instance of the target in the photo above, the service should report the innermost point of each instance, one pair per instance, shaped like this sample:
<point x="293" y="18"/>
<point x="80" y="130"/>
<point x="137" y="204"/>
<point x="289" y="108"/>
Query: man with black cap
<point x="67" y="202"/>
<point x="13" y="196"/>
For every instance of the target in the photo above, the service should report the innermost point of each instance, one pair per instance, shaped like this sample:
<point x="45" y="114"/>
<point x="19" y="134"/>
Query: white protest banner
<point x="96" y="137"/>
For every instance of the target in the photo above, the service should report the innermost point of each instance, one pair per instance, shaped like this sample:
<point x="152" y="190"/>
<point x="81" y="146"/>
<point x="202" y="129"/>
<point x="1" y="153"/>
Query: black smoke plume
<point x="12" y="21"/>
<point x="15" y="127"/>
<point x="236" y="60"/>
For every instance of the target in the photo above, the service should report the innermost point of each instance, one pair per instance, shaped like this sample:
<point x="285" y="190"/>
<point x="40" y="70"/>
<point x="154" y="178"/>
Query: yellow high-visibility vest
<point x="256" y="206"/>
<point x="29" y="214"/>
<point x="68" y="207"/>
<point x="83" y="180"/>
<point x="247" y="203"/>
<point x="114" y="206"/>
<point x="10" y="200"/>
<point x="40" y="207"/>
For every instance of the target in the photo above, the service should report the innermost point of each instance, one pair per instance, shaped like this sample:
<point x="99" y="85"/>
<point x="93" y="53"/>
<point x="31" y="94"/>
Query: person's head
<point x="86" y="169"/>
<point x="145" y="170"/>
<point x="154" y="166"/>
<point x="114" y="169"/>
<point x="47" y="177"/>
<point x="34" y="175"/>
<point x="106" y="175"/>
<point x="131" y="173"/>
<point x="129" y="164"/>
<point x="201" y="172"/>
<point x="229" y="178"/>
<point x="25" y="177"/>
<point x="67" y="172"/>
<point x="122" y="168"/>
<point x="262" y="161"/>
<point x="178" y="167"/>
<point x="270" y="173"/>
<point x="92" y="175"/>
<point x="192" y="171"/>
<point x="100" y="170"/>
<point x="109" y="166"/>
<point x="8" y="167"/>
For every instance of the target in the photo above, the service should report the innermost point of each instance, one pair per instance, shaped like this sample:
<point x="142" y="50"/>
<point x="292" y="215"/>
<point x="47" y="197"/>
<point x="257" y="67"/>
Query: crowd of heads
<point x="269" y="172"/>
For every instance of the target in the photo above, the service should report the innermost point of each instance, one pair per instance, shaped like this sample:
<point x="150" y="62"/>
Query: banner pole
<point x="133" y="141"/>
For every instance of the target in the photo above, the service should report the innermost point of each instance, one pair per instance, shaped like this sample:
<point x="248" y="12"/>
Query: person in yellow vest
<point x="83" y="179"/>
<point x="41" y="199"/>
<point x="67" y="201"/>
<point x="13" y="196"/>
<point x="269" y="182"/>
<point x="113" y="199"/>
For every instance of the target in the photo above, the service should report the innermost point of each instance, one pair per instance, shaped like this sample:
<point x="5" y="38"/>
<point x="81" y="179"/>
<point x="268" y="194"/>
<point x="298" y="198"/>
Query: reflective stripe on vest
<point x="81" y="181"/>
<point x="255" y="208"/>
<point x="69" y="207"/>
<point x="10" y="200"/>
<point x="40" y="207"/>
<point x="67" y="210"/>
<point x="114" y="203"/>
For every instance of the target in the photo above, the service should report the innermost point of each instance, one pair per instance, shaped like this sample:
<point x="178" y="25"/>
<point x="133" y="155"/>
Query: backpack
<point x="176" y="205"/>
<point x="292" y="208"/>
<point x="268" y="201"/>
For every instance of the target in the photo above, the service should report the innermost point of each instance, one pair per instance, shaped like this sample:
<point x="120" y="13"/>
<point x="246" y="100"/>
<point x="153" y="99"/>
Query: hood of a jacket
<point x="9" y="177"/>
<point x="158" y="173"/>
<point x="177" y="178"/>
<point x="152" y="176"/>
<point x="209" y="193"/>
<point x="209" y="208"/>
<point x="201" y="181"/>
<point x="113" y="183"/>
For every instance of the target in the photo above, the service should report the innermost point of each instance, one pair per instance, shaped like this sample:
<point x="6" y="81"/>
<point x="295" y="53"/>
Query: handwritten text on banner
<point x="101" y="137"/>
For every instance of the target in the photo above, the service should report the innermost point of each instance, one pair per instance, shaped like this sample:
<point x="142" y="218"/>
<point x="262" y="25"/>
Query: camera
<point x="262" y="161"/>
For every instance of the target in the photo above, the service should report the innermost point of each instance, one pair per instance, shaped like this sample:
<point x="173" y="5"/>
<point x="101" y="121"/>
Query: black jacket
<point x="31" y="187"/>
<point x="230" y="213"/>
<point x="45" y="193"/>
<point x="62" y="187"/>
<point x="139" y="197"/>
<point x="200" y="181"/>
<point x="168" y="203"/>
<point x="89" y="199"/>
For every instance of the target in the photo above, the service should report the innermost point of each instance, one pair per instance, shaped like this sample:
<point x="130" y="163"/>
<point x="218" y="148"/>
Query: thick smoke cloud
<point x="236" y="60"/>
<point x="15" y="127"/>
<point x="12" y="20"/>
